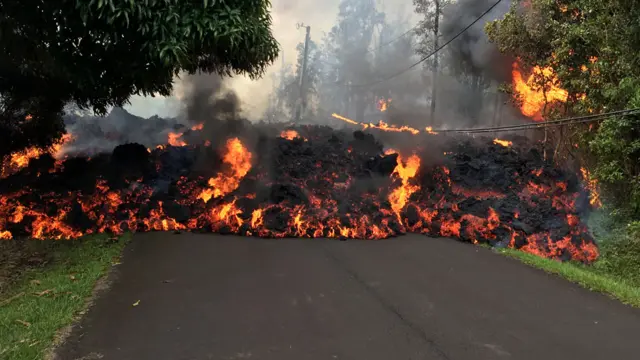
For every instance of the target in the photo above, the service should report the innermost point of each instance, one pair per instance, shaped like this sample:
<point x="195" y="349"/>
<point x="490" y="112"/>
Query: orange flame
<point x="383" y="104"/>
<point x="504" y="143"/>
<point x="290" y="135"/>
<point x="197" y="127"/>
<point x="533" y="96"/>
<point x="400" y="195"/>
<point x="238" y="159"/>
<point x="592" y="186"/>
<point x="175" y="139"/>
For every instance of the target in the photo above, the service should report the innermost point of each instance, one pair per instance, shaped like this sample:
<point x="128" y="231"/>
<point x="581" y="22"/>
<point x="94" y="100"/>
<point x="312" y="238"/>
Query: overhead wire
<point x="537" y="125"/>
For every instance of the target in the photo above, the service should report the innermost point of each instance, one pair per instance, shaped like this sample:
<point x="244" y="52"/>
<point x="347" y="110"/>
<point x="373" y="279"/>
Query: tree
<point x="429" y="32"/>
<point x="592" y="47"/>
<point x="98" y="53"/>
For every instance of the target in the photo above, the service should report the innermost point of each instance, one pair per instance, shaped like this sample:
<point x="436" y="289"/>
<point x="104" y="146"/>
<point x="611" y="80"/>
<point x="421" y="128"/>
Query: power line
<point x="431" y="54"/>
<point x="538" y="125"/>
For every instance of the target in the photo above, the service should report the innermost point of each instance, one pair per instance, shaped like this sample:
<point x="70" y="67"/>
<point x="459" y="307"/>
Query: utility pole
<point x="434" y="70"/>
<point x="302" y="102"/>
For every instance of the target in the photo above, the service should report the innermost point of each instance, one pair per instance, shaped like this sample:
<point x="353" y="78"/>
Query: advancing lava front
<point x="307" y="182"/>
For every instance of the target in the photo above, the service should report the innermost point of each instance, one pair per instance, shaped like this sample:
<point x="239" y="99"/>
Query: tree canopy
<point x="98" y="53"/>
<point x="592" y="46"/>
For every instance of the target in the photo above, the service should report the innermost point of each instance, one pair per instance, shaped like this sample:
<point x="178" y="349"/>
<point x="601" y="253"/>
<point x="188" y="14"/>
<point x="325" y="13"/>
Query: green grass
<point x="591" y="277"/>
<point x="617" y="270"/>
<point x="42" y="299"/>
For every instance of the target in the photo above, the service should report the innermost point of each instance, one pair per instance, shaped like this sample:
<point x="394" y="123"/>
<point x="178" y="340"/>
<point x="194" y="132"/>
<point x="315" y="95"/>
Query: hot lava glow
<point x="238" y="161"/>
<point x="532" y="95"/>
<point x="334" y="185"/>
<point x="290" y="135"/>
<point x="504" y="143"/>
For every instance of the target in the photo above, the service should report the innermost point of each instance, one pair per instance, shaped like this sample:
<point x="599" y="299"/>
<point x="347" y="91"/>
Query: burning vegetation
<point x="310" y="181"/>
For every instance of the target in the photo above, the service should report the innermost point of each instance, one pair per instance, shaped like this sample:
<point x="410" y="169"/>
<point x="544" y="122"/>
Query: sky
<point x="319" y="15"/>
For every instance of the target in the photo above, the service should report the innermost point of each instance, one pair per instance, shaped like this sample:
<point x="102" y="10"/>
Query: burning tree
<point x="574" y="43"/>
<point x="98" y="53"/>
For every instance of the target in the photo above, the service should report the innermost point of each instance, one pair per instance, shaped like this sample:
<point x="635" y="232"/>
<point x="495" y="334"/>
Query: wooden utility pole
<point x="302" y="101"/>
<point x="434" y="69"/>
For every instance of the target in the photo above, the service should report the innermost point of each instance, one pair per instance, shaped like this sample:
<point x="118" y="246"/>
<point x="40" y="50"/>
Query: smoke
<point x="93" y="134"/>
<point x="472" y="69"/>
<point x="209" y="102"/>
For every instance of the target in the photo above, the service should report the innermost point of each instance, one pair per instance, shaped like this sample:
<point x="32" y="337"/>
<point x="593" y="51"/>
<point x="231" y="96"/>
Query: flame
<point x="175" y="139"/>
<point x="532" y="95"/>
<point x="592" y="186"/>
<point x="291" y="135"/>
<point x="383" y="104"/>
<point x="20" y="159"/>
<point x="238" y="160"/>
<point x="405" y="171"/>
<point x="429" y="130"/>
<point x="381" y="125"/>
<point x="504" y="143"/>
<point x="197" y="127"/>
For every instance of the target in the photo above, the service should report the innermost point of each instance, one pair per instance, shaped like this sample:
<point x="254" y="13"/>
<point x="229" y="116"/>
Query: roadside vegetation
<point x="592" y="48"/>
<point x="45" y="286"/>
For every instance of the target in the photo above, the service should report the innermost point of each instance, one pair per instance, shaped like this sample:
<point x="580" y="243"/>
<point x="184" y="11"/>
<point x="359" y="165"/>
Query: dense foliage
<point x="593" y="47"/>
<point x="99" y="53"/>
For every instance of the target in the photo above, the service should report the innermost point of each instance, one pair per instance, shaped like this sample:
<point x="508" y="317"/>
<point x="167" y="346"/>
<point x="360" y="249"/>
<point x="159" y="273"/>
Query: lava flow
<point x="310" y="181"/>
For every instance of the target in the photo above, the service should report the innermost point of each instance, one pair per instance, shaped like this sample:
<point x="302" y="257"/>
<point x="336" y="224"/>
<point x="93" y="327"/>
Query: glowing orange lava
<point x="504" y="143"/>
<point x="291" y="135"/>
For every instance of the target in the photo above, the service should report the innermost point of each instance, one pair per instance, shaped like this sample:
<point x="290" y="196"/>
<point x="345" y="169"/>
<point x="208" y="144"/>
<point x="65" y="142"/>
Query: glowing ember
<point x="504" y="143"/>
<point x="533" y="96"/>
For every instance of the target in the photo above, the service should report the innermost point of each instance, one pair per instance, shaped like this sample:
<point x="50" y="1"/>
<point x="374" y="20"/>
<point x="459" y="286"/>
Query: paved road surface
<point x="215" y="297"/>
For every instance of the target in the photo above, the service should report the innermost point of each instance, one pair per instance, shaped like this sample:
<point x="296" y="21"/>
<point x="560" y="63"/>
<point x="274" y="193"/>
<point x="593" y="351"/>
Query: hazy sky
<point x="320" y="15"/>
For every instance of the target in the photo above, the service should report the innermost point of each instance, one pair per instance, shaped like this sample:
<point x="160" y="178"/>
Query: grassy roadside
<point x="45" y="297"/>
<point x="617" y="270"/>
<point x="589" y="277"/>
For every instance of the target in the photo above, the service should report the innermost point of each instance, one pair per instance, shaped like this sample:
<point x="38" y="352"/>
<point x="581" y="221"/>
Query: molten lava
<point x="335" y="185"/>
<point x="291" y="135"/>
<point x="533" y="96"/>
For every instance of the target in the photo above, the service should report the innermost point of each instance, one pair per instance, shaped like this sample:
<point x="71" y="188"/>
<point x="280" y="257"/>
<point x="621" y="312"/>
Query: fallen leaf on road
<point x="136" y="303"/>
<point x="27" y="324"/>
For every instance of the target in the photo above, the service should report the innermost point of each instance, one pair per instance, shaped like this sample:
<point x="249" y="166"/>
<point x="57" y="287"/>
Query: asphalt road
<point x="218" y="297"/>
